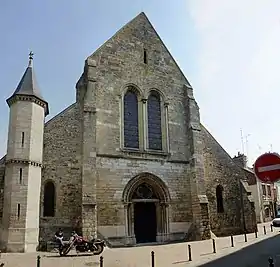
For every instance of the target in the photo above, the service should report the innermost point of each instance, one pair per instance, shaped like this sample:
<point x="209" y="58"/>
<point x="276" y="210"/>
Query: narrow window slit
<point x="20" y="175"/>
<point x="18" y="210"/>
<point x="22" y="139"/>
<point x="145" y="56"/>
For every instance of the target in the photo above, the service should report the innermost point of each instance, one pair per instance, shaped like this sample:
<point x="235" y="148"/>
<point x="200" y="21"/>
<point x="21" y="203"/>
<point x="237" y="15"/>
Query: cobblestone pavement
<point x="165" y="255"/>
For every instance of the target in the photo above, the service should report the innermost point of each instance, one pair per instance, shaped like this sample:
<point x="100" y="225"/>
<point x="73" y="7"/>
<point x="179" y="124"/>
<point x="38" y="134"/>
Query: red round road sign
<point x="267" y="167"/>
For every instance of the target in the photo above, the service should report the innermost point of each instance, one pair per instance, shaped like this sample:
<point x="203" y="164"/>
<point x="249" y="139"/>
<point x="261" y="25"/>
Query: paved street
<point x="255" y="255"/>
<point x="252" y="253"/>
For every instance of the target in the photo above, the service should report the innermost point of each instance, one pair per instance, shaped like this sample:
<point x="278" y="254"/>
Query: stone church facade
<point x="129" y="161"/>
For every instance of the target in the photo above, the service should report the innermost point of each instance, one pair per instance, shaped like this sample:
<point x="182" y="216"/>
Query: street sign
<point x="267" y="167"/>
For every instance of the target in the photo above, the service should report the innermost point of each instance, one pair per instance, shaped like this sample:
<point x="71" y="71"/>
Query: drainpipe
<point x="242" y="205"/>
<point x="260" y="200"/>
<point x="273" y="194"/>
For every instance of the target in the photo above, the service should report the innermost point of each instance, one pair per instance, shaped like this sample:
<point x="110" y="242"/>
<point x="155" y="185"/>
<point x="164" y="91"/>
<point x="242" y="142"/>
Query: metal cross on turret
<point x="31" y="54"/>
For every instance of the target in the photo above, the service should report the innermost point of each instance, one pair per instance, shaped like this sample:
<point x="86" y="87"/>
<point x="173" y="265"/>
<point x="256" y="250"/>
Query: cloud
<point x="237" y="84"/>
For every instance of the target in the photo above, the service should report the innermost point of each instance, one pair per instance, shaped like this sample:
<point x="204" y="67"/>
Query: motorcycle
<point x="81" y="245"/>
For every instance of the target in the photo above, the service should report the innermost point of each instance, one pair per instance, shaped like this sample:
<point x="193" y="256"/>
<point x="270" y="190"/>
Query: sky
<point x="228" y="50"/>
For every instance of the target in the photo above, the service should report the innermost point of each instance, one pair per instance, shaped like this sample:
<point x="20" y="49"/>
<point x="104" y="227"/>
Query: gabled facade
<point x="129" y="161"/>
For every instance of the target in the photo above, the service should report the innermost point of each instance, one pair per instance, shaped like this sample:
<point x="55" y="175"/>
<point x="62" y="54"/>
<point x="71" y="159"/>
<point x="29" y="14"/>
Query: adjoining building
<point x="264" y="194"/>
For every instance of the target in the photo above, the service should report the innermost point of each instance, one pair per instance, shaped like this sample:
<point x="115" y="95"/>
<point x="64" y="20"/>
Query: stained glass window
<point x="131" y="128"/>
<point x="154" y="121"/>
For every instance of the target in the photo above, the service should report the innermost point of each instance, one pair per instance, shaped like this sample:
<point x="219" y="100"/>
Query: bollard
<point x="256" y="233"/>
<point x="153" y="258"/>
<point x="264" y="230"/>
<point x="214" y="245"/>
<point x="271" y="228"/>
<point x="270" y="262"/>
<point x="101" y="261"/>
<point x="190" y="252"/>
<point x="231" y="238"/>
<point x="245" y="237"/>
<point x="38" y="261"/>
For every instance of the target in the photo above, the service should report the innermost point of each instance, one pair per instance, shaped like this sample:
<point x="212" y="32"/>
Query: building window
<point x="22" y="139"/>
<point x="145" y="56"/>
<point x="219" y="197"/>
<point x="266" y="212"/>
<point x="269" y="190"/>
<point x="263" y="190"/>
<point x="20" y="175"/>
<point x="18" y="211"/>
<point x="49" y="200"/>
<point x="154" y="121"/>
<point x="131" y="121"/>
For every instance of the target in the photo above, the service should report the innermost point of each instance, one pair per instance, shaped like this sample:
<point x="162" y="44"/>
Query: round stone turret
<point x="23" y="165"/>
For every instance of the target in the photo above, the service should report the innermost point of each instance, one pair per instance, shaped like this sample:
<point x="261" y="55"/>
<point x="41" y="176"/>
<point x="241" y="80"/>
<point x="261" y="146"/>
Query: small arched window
<point x="131" y="125"/>
<point x="219" y="198"/>
<point x="154" y="121"/>
<point x="49" y="199"/>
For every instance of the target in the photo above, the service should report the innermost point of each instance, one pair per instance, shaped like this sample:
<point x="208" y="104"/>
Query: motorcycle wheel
<point x="64" y="251"/>
<point x="99" y="250"/>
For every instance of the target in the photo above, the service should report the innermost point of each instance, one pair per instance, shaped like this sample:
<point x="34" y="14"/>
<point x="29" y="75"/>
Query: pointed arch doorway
<point x="145" y="214"/>
<point x="146" y="201"/>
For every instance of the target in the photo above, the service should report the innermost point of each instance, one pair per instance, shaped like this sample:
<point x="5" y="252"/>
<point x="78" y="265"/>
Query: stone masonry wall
<point x="62" y="166"/>
<point x="114" y="174"/>
<point x="2" y="177"/>
<point x="220" y="169"/>
<point x="117" y="64"/>
<point x="22" y="192"/>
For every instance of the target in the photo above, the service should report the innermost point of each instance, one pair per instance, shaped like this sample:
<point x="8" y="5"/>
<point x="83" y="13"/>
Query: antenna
<point x="242" y="141"/>
<point x="271" y="149"/>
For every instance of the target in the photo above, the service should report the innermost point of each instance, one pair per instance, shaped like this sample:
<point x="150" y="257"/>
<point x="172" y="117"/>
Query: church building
<point x="128" y="162"/>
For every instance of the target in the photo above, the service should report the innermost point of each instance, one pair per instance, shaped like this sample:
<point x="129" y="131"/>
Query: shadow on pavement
<point x="254" y="255"/>
<point x="205" y="254"/>
<point x="69" y="256"/>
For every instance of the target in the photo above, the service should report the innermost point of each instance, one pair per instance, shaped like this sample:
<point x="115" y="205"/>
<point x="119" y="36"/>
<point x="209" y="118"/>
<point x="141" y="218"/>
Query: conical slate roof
<point x="28" y="85"/>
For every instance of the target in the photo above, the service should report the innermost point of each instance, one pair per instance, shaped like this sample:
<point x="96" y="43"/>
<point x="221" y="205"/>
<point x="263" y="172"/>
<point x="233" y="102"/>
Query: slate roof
<point x="28" y="84"/>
